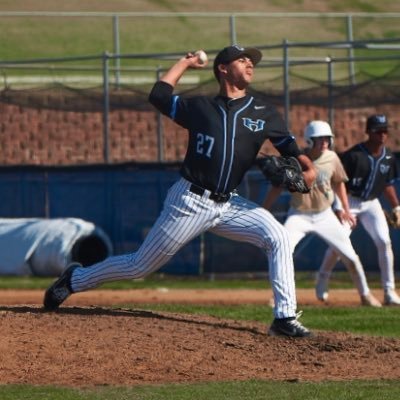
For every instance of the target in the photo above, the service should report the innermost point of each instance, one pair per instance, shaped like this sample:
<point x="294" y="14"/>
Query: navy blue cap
<point x="377" y="122"/>
<point x="232" y="53"/>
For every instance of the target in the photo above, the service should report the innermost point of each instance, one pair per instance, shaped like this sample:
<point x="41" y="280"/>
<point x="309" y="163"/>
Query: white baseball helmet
<point x="317" y="129"/>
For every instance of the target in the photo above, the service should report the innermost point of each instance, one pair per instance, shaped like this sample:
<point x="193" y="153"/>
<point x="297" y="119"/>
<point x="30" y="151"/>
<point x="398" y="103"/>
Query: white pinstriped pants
<point x="186" y="215"/>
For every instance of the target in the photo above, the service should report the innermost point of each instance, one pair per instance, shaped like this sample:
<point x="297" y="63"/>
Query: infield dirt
<point x="87" y="343"/>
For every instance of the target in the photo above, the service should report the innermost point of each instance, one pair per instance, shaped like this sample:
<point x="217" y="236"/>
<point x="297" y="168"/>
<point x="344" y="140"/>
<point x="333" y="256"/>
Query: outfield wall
<point x="124" y="200"/>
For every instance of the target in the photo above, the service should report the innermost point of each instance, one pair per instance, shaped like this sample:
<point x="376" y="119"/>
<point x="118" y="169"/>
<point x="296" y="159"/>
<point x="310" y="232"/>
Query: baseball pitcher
<point x="226" y="133"/>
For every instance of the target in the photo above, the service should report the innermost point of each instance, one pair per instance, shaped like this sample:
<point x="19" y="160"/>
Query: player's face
<point x="321" y="143"/>
<point x="378" y="137"/>
<point x="240" y="71"/>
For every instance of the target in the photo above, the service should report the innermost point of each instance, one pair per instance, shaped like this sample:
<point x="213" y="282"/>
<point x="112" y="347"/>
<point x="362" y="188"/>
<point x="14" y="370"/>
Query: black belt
<point x="217" y="197"/>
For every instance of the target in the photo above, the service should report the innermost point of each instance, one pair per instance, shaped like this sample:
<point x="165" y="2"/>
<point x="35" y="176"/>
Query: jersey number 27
<point x="205" y="144"/>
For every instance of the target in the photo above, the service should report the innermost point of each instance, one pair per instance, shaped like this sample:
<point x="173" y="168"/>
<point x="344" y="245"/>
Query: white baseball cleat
<point x="370" y="301"/>
<point x="391" y="298"/>
<point x="321" y="288"/>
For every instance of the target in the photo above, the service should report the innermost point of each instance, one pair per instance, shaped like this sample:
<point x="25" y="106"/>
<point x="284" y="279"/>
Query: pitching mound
<point x="84" y="345"/>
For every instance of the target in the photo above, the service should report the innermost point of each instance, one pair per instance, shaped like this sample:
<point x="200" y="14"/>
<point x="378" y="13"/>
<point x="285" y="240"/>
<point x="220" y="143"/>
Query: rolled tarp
<point x="45" y="247"/>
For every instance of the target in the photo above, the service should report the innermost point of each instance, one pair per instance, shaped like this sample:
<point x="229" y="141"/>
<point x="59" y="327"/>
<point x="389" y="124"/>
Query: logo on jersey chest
<point x="254" y="126"/>
<point x="384" y="169"/>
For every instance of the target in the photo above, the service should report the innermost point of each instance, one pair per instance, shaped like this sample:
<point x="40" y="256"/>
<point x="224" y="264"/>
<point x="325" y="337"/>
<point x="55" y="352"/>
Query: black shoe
<point x="288" y="327"/>
<point x="60" y="290"/>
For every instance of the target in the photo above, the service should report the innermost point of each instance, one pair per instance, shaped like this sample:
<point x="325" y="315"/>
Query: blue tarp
<point x="124" y="200"/>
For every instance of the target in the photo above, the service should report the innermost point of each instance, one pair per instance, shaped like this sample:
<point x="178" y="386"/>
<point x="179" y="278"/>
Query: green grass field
<point x="250" y="390"/>
<point x="304" y="279"/>
<point x="32" y="37"/>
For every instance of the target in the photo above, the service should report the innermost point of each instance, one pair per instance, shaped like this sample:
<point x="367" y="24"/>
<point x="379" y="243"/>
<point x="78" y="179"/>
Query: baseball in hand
<point x="202" y="56"/>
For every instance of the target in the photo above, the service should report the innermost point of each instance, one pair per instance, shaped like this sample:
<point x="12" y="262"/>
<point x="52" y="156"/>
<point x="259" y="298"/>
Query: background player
<point x="371" y="168"/>
<point x="225" y="135"/>
<point x="312" y="212"/>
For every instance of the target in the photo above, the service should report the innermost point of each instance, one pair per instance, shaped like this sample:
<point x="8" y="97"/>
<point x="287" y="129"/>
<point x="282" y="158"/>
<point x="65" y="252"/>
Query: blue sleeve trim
<point x="174" y="106"/>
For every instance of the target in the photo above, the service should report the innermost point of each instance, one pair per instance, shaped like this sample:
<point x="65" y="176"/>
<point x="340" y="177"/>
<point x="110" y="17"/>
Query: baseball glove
<point x="393" y="217"/>
<point x="285" y="172"/>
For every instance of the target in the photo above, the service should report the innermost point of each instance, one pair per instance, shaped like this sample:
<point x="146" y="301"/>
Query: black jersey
<point x="225" y="135"/>
<point x="368" y="175"/>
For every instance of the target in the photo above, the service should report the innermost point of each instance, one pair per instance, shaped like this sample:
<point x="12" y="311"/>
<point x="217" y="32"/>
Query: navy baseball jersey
<point x="225" y="135"/>
<point x="368" y="175"/>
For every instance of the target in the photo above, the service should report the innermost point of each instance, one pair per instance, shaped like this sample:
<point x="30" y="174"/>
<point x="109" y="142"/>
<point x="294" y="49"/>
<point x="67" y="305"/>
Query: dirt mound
<point x="87" y="345"/>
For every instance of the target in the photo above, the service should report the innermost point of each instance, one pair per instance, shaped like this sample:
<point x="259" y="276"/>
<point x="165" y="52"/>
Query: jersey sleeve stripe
<point x="174" y="106"/>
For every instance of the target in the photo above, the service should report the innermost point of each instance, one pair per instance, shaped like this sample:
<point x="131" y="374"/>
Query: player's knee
<point x="279" y="240"/>
<point x="383" y="245"/>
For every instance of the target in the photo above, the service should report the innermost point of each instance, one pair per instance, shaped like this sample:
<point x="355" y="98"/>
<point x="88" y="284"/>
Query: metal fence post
<point x="160" y="130"/>
<point x="106" y="108"/>
<point x="286" y="88"/>
<point x="232" y="26"/>
<point x="117" y="60"/>
<point x="351" y="50"/>
<point x="330" y="93"/>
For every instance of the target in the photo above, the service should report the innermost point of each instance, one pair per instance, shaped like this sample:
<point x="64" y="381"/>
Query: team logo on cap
<point x="254" y="126"/>
<point x="238" y="47"/>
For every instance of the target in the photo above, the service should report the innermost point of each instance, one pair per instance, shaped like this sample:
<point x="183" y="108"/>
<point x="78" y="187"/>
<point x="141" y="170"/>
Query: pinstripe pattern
<point x="187" y="215"/>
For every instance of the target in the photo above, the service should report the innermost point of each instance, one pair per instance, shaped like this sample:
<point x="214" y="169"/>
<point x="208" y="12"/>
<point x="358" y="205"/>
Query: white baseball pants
<point x="370" y="214"/>
<point x="187" y="215"/>
<point x="326" y="225"/>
